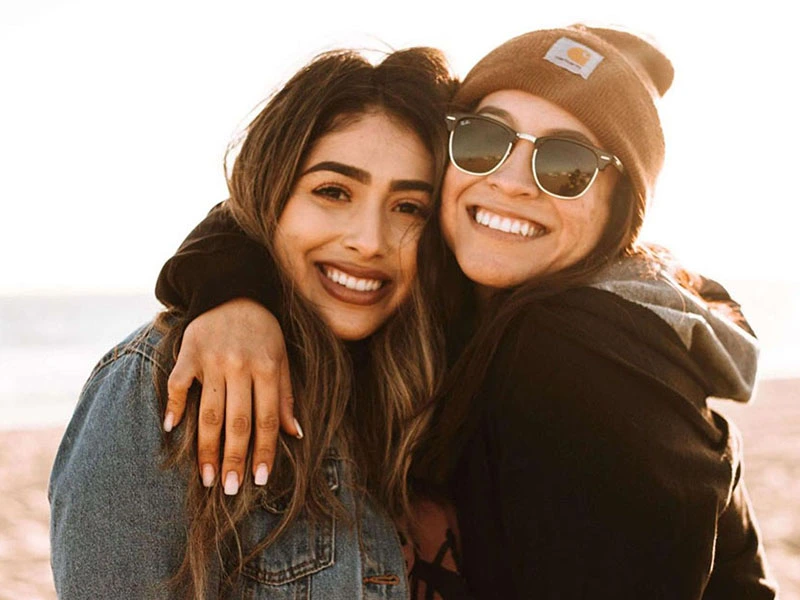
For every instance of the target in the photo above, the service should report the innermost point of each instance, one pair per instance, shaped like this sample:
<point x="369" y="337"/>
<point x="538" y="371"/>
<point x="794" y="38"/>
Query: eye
<point x="412" y="208"/>
<point x="333" y="192"/>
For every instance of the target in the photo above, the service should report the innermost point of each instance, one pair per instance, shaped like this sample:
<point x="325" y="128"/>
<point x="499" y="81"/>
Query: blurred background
<point x="114" y="118"/>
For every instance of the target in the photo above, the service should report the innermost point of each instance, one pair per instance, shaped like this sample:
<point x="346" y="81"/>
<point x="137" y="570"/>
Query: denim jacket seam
<point x="323" y="555"/>
<point x="139" y="346"/>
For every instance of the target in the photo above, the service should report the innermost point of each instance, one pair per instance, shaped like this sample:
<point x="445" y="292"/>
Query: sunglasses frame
<point x="603" y="158"/>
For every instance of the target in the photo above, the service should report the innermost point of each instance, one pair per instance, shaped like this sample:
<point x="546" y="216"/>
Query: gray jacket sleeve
<point x="117" y="518"/>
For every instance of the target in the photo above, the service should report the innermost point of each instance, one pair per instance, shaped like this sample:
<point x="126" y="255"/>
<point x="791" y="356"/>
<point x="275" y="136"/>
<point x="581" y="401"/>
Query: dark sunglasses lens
<point x="564" y="168"/>
<point x="478" y="145"/>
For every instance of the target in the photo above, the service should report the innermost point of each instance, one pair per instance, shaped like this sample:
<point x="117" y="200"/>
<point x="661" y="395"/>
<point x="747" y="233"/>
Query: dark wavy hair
<point x="370" y="416"/>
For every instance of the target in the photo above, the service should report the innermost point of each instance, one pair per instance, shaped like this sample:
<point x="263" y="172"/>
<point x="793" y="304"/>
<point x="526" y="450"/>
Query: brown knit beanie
<point x="607" y="78"/>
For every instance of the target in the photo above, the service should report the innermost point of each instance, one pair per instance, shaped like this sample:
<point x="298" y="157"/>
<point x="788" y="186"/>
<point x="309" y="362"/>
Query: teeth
<point x="493" y="221"/>
<point x="352" y="283"/>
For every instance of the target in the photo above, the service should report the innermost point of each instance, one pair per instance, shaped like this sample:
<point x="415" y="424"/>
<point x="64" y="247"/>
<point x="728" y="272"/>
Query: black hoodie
<point x="594" y="467"/>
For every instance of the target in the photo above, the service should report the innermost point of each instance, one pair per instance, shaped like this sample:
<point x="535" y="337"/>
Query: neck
<point x="483" y="296"/>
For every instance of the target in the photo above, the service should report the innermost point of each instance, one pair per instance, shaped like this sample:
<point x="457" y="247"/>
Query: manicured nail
<point x="208" y="475"/>
<point x="231" y="483"/>
<point x="262" y="474"/>
<point x="299" y="430"/>
<point x="169" y="421"/>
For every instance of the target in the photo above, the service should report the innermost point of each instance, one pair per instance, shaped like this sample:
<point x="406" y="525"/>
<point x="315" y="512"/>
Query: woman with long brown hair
<point x="572" y="432"/>
<point x="335" y="179"/>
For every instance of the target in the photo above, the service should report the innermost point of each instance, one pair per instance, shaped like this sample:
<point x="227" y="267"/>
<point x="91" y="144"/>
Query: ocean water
<point x="49" y="344"/>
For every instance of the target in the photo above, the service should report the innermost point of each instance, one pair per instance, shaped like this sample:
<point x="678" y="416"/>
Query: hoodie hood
<point x="725" y="352"/>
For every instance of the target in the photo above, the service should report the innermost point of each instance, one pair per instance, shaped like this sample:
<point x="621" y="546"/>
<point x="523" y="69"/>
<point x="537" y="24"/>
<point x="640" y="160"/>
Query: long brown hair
<point x="369" y="415"/>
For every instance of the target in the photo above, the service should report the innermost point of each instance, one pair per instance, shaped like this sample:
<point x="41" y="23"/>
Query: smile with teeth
<point x="352" y="283"/>
<point x="505" y="224"/>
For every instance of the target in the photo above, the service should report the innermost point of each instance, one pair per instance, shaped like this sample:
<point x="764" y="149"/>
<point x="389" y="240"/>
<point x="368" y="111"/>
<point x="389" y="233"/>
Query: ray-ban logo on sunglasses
<point x="574" y="57"/>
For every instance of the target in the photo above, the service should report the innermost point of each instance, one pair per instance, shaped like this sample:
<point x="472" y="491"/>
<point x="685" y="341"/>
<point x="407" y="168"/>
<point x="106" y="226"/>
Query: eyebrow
<point x="497" y="112"/>
<point x="362" y="176"/>
<point x="571" y="133"/>
<point x="508" y="117"/>
<point x="410" y="185"/>
<point x="350" y="171"/>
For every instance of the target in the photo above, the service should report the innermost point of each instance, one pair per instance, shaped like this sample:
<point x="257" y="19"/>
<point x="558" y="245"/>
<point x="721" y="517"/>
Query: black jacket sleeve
<point x="216" y="263"/>
<point x="585" y="479"/>
<point x="739" y="564"/>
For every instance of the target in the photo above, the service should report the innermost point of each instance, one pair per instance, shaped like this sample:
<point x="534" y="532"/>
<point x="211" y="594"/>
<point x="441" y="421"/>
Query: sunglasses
<point x="562" y="167"/>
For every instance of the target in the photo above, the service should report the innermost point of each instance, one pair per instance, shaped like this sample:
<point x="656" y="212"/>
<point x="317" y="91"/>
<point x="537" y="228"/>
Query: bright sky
<point x="114" y="118"/>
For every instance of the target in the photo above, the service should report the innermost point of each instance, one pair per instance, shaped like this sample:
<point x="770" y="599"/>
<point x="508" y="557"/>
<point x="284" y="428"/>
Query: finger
<point x="286" y="401"/>
<point x="238" y="414"/>
<point x="209" y="428"/>
<point x="178" y="384"/>
<point x="267" y="424"/>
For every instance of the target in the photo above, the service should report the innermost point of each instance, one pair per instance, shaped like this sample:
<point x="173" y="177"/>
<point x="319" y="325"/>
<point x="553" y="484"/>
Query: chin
<point x="350" y="330"/>
<point x="492" y="275"/>
<point x="352" y="334"/>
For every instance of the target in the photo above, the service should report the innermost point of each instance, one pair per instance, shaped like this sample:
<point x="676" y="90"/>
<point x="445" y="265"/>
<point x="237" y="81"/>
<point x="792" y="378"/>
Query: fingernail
<point x="231" y="483"/>
<point x="299" y="430"/>
<point x="169" y="421"/>
<point x="262" y="474"/>
<point x="208" y="475"/>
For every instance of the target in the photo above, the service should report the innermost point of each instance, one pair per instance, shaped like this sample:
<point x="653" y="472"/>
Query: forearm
<point x="217" y="262"/>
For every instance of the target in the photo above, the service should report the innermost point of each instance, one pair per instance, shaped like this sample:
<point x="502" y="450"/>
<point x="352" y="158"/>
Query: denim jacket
<point x="118" y="523"/>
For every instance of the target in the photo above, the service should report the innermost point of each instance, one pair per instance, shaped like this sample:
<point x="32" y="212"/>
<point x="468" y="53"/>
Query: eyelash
<point x="333" y="192"/>
<point x="420" y="210"/>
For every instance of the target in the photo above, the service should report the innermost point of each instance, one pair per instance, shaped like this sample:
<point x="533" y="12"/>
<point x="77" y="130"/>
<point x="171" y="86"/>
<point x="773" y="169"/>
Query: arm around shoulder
<point x="217" y="262"/>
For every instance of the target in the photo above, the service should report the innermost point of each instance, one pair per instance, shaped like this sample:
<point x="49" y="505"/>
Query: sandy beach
<point x="770" y="427"/>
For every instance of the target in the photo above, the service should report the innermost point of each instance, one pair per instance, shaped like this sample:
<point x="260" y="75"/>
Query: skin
<point x="567" y="230"/>
<point x="354" y="217"/>
<point x="347" y="238"/>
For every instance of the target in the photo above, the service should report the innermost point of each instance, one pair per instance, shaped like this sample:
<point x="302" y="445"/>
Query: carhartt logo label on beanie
<point x="574" y="57"/>
<point x="619" y="77"/>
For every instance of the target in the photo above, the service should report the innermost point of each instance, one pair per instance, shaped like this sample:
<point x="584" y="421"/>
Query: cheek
<point x="588" y="223"/>
<point x="601" y="206"/>
<point x="285" y="253"/>
<point x="449" y="209"/>
<point x="407" y="256"/>
<point x="294" y="235"/>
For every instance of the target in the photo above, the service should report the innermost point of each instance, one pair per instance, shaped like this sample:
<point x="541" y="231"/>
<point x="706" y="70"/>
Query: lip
<point x="348" y="296"/>
<point x="356" y="270"/>
<point x="502" y="235"/>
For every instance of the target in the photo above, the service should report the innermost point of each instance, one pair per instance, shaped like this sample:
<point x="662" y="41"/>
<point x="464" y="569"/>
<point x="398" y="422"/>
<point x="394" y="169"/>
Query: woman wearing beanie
<point x="572" y="433"/>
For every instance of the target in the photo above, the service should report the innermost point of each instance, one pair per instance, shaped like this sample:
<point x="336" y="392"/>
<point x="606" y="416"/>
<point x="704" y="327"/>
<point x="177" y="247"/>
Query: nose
<point x="367" y="233"/>
<point x="515" y="177"/>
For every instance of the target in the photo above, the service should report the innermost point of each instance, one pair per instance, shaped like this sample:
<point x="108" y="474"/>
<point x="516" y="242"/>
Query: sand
<point x="770" y="427"/>
<point x="25" y="461"/>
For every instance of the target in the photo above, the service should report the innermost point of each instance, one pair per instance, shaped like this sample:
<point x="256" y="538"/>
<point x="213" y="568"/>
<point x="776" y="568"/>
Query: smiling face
<point x="501" y="227"/>
<point x="348" y="234"/>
